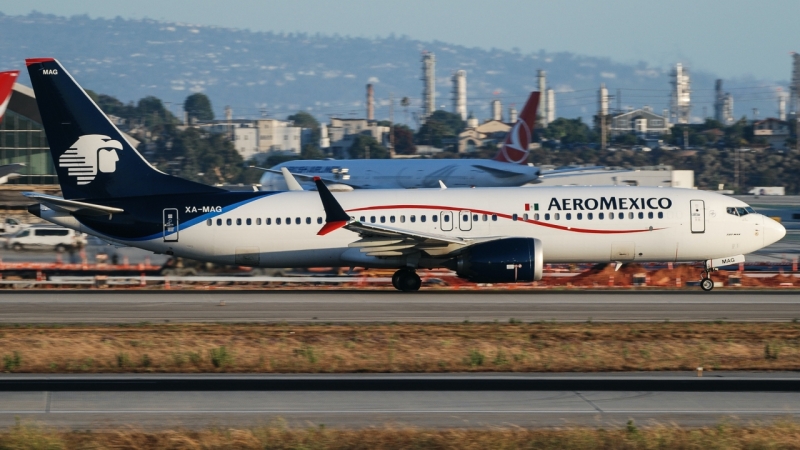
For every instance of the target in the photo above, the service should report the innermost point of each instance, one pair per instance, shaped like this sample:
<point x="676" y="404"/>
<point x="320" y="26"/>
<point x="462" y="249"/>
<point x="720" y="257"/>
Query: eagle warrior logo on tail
<point x="89" y="154"/>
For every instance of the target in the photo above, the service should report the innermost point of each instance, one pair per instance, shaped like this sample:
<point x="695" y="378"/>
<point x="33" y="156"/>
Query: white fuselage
<point x="574" y="224"/>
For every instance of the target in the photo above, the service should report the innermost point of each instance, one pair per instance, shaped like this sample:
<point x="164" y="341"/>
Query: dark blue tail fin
<point x="92" y="158"/>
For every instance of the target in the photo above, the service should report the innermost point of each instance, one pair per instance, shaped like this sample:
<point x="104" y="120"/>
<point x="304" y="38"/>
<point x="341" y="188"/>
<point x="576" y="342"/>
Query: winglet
<point x="291" y="182"/>
<point x="335" y="216"/>
<point x="442" y="185"/>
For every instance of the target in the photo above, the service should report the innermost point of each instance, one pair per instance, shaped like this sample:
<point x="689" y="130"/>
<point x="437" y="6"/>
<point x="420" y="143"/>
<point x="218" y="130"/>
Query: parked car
<point x="46" y="237"/>
<point x="11" y="225"/>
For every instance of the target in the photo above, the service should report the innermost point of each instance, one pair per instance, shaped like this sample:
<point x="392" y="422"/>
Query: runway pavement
<point x="80" y="409"/>
<point x="55" y="306"/>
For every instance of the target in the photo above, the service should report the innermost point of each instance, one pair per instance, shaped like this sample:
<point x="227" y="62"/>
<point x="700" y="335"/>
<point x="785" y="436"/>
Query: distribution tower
<point x="681" y="102"/>
<point x="541" y="75"/>
<point x="429" y="84"/>
<point x="460" y="94"/>
<point x="370" y="102"/>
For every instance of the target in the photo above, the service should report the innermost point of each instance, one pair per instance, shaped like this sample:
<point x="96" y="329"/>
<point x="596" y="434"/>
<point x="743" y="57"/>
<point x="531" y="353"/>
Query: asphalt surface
<point x="105" y="409"/>
<point x="390" y="306"/>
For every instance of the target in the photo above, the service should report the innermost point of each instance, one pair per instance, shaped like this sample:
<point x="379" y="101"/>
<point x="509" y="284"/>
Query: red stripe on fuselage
<point x="505" y="216"/>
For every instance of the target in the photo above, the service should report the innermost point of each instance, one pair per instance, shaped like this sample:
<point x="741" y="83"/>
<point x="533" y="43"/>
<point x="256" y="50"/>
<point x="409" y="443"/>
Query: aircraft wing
<point x="381" y="240"/>
<point x="499" y="173"/>
<point x="309" y="177"/>
<point x="72" y="206"/>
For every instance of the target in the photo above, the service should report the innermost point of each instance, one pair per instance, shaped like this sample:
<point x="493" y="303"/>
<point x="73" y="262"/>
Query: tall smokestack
<point x="512" y="114"/>
<point x="460" y="94"/>
<point x="497" y="110"/>
<point x="429" y="84"/>
<point x="370" y="102"/>
<point x="541" y="75"/>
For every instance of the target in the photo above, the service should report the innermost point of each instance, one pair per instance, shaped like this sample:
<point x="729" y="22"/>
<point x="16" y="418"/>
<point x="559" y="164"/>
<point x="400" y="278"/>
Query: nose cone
<point x="773" y="231"/>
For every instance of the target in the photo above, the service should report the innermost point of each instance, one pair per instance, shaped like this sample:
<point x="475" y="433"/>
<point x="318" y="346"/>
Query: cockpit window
<point x="739" y="211"/>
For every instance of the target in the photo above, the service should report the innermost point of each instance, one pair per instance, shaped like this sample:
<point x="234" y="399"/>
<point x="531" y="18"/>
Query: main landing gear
<point x="706" y="283"/>
<point x="406" y="280"/>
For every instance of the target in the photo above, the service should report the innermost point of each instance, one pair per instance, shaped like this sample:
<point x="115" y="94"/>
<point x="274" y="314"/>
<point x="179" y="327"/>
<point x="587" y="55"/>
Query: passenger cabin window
<point x="422" y="218"/>
<point x="238" y="221"/>
<point x="434" y="218"/>
<point x="485" y="217"/>
<point x="536" y="216"/>
<point x="308" y="220"/>
<point x="660" y="215"/>
<point x="208" y="222"/>
<point x="547" y="216"/>
<point x="641" y="215"/>
<point x="650" y="215"/>
<point x="391" y="219"/>
<point x="219" y="222"/>
<point x="249" y="222"/>
<point x="514" y="217"/>
<point x="319" y="220"/>
<point x="402" y="219"/>
<point x="474" y="217"/>
<point x="298" y="220"/>
<point x="557" y="216"/>
<point x="372" y="219"/>
<point x="269" y="221"/>
<point x="630" y="215"/>
<point x="383" y="219"/>
<point x="446" y="217"/>
<point x="621" y="215"/>
<point x="413" y="218"/>
<point x="580" y="216"/>
<point x="600" y="216"/>
<point x="277" y="221"/>
<point x="589" y="216"/>
<point x="494" y="217"/>
<point x="229" y="222"/>
<point x="258" y="221"/>
<point x="362" y="219"/>
<point x="569" y="216"/>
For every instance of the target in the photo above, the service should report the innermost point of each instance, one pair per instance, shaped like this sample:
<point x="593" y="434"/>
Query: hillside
<point x="282" y="73"/>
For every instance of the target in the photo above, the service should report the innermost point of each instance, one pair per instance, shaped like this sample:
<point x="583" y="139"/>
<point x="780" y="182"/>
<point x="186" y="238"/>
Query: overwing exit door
<point x="698" y="215"/>
<point x="171" y="225"/>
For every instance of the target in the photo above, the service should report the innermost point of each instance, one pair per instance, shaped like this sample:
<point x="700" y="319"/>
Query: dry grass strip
<point x="781" y="435"/>
<point x="512" y="347"/>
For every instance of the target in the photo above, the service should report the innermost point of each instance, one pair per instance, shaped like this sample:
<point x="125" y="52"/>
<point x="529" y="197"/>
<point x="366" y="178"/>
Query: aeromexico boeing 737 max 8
<point x="508" y="168"/>
<point x="485" y="234"/>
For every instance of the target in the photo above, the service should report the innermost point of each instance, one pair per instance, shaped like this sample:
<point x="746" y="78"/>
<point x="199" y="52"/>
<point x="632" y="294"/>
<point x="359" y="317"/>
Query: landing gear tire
<point x="707" y="284"/>
<point x="406" y="280"/>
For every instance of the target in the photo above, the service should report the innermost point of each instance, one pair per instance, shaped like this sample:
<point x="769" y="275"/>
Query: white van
<point x="10" y="225"/>
<point x="46" y="237"/>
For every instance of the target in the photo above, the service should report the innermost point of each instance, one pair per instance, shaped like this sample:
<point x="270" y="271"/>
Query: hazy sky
<point x="732" y="38"/>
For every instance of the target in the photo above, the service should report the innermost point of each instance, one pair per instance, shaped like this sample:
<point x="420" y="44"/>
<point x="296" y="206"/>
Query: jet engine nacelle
<point x="507" y="260"/>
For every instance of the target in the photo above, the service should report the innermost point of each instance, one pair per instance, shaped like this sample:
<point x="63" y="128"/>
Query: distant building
<point x="641" y="122"/>
<point x="775" y="131"/>
<point x="487" y="133"/>
<point x="278" y="136"/>
<point x="343" y="132"/>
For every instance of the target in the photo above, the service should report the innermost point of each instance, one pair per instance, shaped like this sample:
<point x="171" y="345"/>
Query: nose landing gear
<point x="706" y="283"/>
<point x="406" y="280"/>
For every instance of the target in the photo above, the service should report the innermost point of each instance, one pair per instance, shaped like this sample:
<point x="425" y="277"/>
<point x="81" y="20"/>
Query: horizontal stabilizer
<point x="72" y="206"/>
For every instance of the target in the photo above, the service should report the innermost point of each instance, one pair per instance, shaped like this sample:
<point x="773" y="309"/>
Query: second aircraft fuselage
<point x="406" y="173"/>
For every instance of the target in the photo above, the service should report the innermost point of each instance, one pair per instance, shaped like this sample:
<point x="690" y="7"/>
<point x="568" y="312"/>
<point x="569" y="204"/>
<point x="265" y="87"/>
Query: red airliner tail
<point x="7" y="80"/>
<point x="515" y="147"/>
